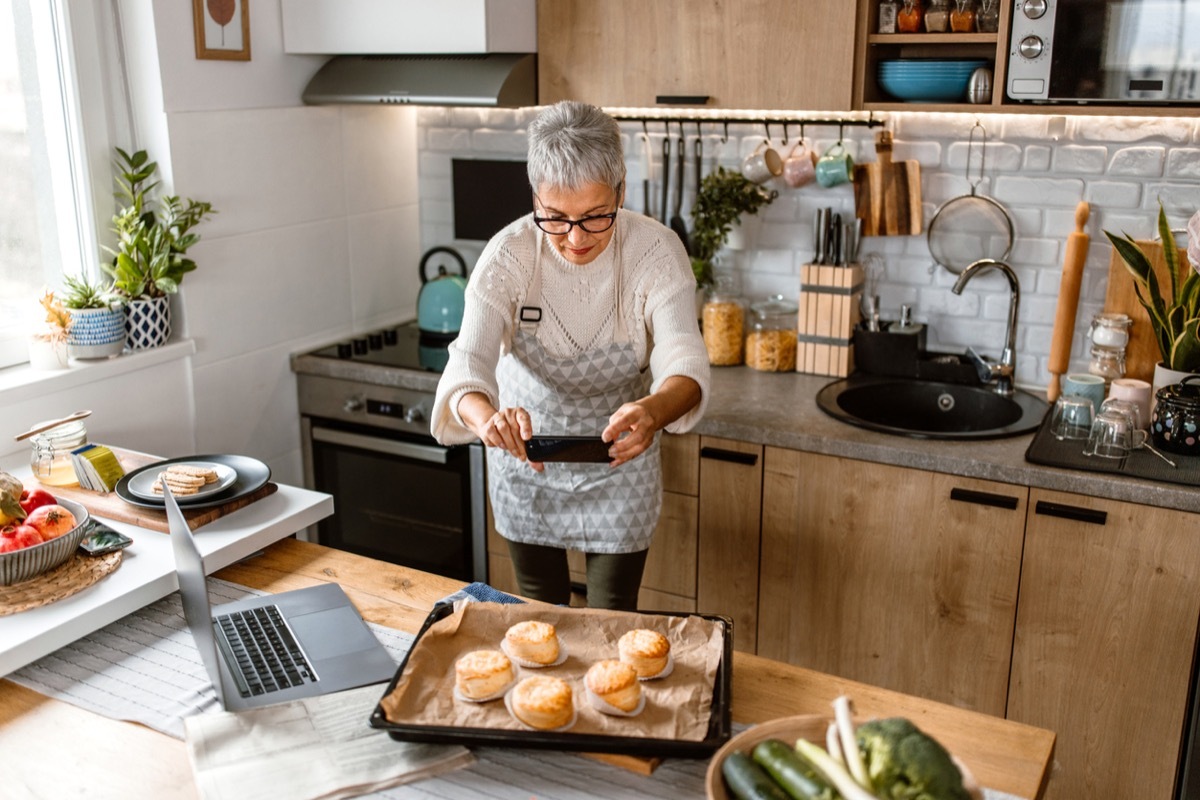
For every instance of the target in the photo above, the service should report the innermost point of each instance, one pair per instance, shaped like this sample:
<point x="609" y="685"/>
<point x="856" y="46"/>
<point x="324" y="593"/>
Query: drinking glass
<point x="1113" y="435"/>
<point x="1072" y="417"/>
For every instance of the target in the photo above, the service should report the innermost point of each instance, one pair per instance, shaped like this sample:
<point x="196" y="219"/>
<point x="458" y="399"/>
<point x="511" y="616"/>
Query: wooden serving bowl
<point x="787" y="729"/>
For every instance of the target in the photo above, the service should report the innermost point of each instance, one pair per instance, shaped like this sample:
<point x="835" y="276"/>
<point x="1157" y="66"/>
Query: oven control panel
<point x="390" y="407"/>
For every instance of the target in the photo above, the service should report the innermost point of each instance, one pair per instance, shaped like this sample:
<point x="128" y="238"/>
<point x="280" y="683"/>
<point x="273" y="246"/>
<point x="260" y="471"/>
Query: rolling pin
<point x="1068" y="301"/>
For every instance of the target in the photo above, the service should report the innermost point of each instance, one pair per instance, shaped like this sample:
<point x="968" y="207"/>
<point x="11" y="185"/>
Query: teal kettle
<point x="443" y="297"/>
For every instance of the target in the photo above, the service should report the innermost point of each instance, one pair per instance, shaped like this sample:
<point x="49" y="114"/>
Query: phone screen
<point x="580" y="449"/>
<point x="102" y="539"/>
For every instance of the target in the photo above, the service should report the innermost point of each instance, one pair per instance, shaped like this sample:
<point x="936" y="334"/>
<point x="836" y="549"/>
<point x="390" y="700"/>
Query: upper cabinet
<point x="768" y="54"/>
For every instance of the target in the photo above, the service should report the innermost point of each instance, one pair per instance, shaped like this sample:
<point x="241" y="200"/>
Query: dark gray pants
<point x="613" y="579"/>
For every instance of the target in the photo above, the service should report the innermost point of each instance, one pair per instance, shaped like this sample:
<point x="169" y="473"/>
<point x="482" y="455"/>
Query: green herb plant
<point x="82" y="293"/>
<point x="1175" y="317"/>
<point x="724" y="196"/>
<point x="149" y="259"/>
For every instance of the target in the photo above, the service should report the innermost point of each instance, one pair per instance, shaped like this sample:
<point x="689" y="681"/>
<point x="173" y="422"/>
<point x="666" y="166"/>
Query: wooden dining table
<point x="52" y="749"/>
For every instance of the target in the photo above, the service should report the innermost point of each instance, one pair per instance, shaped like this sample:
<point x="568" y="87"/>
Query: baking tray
<point x="719" y="726"/>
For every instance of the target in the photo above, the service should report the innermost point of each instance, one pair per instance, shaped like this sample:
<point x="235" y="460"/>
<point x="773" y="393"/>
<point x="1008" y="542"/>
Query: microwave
<point x="1106" y="52"/>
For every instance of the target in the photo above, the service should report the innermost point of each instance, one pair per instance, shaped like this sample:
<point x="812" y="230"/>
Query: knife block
<point x="829" y="312"/>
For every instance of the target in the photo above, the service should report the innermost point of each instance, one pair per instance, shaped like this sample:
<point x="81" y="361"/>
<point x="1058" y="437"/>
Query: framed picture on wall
<point x="222" y="29"/>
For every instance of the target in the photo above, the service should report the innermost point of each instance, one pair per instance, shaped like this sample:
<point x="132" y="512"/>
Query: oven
<point x="399" y="496"/>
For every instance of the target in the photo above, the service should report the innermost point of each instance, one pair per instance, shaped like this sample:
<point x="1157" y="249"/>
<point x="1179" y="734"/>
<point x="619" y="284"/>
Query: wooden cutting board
<point x="110" y="506"/>
<point x="887" y="194"/>
<point x="1141" y="354"/>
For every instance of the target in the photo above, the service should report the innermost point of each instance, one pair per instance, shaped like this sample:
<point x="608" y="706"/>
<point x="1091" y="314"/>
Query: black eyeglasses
<point x="559" y="226"/>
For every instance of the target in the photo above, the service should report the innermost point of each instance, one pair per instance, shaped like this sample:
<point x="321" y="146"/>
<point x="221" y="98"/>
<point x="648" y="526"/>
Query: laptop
<point x="275" y="648"/>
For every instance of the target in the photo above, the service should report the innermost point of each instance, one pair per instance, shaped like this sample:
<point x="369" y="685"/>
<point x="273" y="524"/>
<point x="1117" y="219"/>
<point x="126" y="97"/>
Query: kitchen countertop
<point x="780" y="409"/>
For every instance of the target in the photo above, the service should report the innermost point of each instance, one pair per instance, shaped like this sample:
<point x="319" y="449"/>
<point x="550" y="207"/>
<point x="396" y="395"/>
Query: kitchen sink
<point x="930" y="409"/>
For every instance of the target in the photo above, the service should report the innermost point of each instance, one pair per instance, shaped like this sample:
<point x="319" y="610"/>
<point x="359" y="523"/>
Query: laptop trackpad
<point x="331" y="633"/>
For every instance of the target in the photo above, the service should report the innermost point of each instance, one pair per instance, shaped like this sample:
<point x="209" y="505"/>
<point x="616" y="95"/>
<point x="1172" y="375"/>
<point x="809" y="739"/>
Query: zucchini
<point x="747" y="780"/>
<point x="789" y="770"/>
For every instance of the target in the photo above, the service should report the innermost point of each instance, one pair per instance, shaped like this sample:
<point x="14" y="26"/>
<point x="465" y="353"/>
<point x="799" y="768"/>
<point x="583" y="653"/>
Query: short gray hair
<point x="572" y="144"/>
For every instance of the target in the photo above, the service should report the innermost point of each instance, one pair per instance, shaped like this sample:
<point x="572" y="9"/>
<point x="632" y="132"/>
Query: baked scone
<point x="533" y="642"/>
<point x="483" y="674"/>
<point x="645" y="650"/>
<point x="543" y="702"/>
<point x="614" y="682"/>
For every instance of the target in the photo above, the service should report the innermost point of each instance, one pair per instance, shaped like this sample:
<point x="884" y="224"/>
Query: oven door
<point x="1117" y="51"/>
<point x="400" y="498"/>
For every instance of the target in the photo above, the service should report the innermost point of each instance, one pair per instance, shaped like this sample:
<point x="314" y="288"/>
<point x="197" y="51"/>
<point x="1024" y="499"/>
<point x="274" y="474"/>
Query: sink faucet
<point x="1000" y="374"/>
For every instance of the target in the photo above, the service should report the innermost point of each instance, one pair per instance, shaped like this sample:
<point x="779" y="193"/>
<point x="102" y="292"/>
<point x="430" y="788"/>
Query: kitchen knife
<point x="820" y="230"/>
<point x="1068" y="301"/>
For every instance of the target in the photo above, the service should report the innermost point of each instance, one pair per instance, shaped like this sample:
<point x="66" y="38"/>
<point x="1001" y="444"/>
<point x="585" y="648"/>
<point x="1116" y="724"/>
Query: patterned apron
<point x="588" y="507"/>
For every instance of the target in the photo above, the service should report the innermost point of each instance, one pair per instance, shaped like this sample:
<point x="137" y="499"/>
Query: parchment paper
<point x="678" y="707"/>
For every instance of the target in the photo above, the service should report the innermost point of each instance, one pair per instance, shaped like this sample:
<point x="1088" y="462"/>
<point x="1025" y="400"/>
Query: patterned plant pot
<point x="147" y="323"/>
<point x="96" y="332"/>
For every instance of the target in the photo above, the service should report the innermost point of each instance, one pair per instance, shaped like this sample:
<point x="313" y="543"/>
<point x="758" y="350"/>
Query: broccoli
<point x="905" y="764"/>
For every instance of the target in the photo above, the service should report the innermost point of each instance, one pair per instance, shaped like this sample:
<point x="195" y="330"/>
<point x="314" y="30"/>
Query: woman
<point x="580" y="320"/>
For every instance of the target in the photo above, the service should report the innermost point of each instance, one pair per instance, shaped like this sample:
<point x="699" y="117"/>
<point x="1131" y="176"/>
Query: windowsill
<point x="23" y="383"/>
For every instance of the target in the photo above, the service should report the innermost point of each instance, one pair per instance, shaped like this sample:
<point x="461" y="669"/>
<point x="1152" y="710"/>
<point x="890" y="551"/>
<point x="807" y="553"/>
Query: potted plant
<point x="48" y="347"/>
<point x="97" y="319"/>
<point x="1175" y="315"/>
<point x="149" y="261"/>
<point x="724" y="196"/>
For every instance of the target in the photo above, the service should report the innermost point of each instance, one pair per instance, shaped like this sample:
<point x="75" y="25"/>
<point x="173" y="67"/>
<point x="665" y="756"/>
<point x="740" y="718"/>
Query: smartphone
<point x="102" y="539"/>
<point x="582" y="449"/>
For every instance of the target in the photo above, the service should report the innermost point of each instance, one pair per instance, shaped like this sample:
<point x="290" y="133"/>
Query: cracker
<point x="179" y="479"/>
<point x="207" y="473"/>
<point x="157" y="488"/>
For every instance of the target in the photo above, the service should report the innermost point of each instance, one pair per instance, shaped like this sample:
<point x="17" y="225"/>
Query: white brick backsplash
<point x="1184" y="163"/>
<point x="1145" y="162"/>
<point x="1039" y="166"/>
<point x="1112" y="194"/>
<point x="1076" y="159"/>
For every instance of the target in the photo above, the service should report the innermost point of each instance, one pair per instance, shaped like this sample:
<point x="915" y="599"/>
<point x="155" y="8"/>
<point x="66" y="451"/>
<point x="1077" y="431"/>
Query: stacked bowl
<point x="928" y="80"/>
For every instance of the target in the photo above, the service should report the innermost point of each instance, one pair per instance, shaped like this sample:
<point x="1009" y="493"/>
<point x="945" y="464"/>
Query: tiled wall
<point x="1038" y="166"/>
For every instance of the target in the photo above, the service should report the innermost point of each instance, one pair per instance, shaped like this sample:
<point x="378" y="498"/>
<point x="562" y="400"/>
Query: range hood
<point x="448" y="52"/>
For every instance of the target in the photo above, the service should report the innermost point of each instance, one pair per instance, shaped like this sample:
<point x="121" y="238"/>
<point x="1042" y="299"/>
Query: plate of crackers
<point x="188" y="480"/>
<point x="235" y="477"/>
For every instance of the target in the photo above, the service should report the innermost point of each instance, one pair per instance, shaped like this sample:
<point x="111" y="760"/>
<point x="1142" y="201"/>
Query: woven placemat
<point x="73" y="575"/>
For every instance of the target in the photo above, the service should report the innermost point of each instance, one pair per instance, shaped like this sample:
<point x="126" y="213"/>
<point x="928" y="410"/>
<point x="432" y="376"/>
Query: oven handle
<point x="421" y="452"/>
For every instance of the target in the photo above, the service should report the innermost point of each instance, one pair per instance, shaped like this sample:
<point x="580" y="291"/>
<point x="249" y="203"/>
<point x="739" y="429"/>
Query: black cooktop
<point x="402" y="346"/>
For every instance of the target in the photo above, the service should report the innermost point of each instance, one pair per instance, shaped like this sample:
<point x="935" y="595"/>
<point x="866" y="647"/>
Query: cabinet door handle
<point x="682" y="99"/>
<point x="1076" y="513"/>
<point x="984" y="498"/>
<point x="733" y="456"/>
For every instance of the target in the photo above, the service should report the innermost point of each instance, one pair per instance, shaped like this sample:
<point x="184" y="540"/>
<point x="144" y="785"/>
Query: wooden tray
<point x="110" y="506"/>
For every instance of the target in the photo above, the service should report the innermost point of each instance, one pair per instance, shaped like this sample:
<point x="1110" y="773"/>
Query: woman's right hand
<point x="508" y="428"/>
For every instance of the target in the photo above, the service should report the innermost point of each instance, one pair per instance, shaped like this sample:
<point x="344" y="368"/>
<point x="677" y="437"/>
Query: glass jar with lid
<point x="1111" y="330"/>
<point x="50" y="458"/>
<point x="723" y="323"/>
<point x="937" y="16"/>
<point x="771" y="342"/>
<point x="962" y="18"/>
<point x="988" y="18"/>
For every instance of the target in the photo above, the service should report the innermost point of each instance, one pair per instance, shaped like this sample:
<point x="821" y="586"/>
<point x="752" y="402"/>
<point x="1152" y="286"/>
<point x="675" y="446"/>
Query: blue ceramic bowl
<point x="928" y="80"/>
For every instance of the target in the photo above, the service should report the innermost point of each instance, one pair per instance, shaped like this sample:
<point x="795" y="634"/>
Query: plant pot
<point x="47" y="354"/>
<point x="96" y="332"/>
<point x="147" y="323"/>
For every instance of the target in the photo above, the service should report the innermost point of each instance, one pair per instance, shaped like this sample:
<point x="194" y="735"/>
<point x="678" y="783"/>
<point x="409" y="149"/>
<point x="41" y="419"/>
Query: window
<point x="48" y="212"/>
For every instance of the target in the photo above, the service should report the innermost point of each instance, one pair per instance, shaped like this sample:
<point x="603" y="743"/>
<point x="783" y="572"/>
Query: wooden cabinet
<point x="730" y="511"/>
<point x="769" y="54"/>
<point x="896" y="577"/>
<point x="1105" y="637"/>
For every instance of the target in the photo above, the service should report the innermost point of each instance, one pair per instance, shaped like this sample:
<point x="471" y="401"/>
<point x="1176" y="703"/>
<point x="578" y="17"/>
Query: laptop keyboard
<point x="261" y="652"/>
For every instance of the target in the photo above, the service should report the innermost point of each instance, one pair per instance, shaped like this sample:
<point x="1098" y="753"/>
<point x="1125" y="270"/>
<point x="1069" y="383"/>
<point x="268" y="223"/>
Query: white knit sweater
<point x="578" y="312"/>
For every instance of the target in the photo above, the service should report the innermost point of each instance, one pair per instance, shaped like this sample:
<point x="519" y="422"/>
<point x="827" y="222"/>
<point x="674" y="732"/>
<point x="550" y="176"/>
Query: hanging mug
<point x="798" y="168"/>
<point x="762" y="165"/>
<point x="835" y="167"/>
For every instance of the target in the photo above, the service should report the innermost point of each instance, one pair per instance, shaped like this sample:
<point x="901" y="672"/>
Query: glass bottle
<point x="988" y="18"/>
<point x="771" y="343"/>
<point x="723" y="323"/>
<point x="962" y="18"/>
<point x="908" y="18"/>
<point x="937" y="16"/>
<point x="50" y="459"/>
<point x="887" y="16"/>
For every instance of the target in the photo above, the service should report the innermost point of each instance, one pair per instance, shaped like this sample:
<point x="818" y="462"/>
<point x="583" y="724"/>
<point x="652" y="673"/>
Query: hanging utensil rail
<point x="726" y="120"/>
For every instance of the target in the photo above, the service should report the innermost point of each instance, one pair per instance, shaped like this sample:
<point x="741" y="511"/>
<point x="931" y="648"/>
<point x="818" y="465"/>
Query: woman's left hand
<point x="637" y="424"/>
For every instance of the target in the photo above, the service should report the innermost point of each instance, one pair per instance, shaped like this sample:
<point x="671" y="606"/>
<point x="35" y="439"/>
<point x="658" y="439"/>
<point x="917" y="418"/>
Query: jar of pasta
<point x="771" y="342"/>
<point x="723" y="324"/>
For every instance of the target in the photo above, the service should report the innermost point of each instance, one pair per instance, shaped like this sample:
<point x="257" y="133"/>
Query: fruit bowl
<point x="29" y="562"/>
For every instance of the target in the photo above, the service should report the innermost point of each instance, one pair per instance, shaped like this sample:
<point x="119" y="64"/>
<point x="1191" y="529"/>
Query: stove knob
<point x="1030" y="47"/>
<point x="353" y="404"/>
<point x="1035" y="9"/>
<point x="414" y="414"/>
